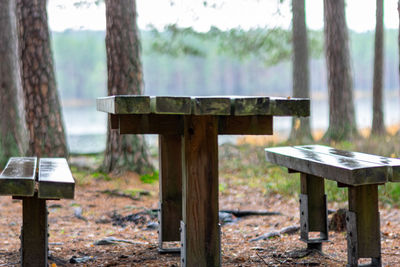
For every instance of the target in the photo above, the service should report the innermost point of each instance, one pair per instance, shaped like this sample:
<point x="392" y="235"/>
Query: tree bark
<point x="42" y="106"/>
<point x="124" y="152"/>
<point x="342" y="122"/>
<point x="378" y="125"/>
<point x="301" y="130"/>
<point x="13" y="136"/>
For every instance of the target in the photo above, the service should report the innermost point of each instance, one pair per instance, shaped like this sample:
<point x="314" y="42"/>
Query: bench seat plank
<point x="333" y="167"/>
<point x="394" y="163"/>
<point x="55" y="179"/>
<point x="18" y="177"/>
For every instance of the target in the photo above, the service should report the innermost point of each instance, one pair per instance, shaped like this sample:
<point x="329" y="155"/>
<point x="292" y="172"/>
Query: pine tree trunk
<point x="13" y="136"/>
<point x="378" y="125"/>
<point x="42" y="106"/>
<point x="124" y="152"/>
<point x="342" y="122"/>
<point x="301" y="130"/>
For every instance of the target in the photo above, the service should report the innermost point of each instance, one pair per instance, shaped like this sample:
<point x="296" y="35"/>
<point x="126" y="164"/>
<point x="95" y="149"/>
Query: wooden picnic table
<point x="188" y="129"/>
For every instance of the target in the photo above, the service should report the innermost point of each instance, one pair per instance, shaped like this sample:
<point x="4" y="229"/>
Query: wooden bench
<point x="21" y="180"/>
<point x="360" y="172"/>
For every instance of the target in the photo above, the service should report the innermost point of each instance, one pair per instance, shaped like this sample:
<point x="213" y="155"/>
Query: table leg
<point x="170" y="207"/>
<point x="34" y="236"/>
<point x="200" y="228"/>
<point x="363" y="227"/>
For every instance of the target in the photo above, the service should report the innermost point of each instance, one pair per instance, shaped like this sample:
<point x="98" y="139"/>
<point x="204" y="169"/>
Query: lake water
<point x="86" y="127"/>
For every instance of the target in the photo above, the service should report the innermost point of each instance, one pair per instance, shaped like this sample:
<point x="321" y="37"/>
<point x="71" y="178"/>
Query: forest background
<point x="81" y="72"/>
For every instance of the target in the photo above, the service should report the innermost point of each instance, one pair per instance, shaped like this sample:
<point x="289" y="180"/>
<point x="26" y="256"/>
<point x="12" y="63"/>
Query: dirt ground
<point x="73" y="233"/>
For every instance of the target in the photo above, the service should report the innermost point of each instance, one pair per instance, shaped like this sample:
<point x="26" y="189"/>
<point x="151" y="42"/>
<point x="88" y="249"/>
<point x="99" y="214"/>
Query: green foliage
<point x="271" y="46"/>
<point x="101" y="176"/>
<point x="149" y="178"/>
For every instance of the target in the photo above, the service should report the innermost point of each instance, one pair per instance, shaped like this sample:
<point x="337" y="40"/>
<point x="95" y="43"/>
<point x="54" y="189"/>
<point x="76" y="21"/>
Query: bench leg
<point x="313" y="211"/>
<point x="200" y="228"/>
<point x="34" y="235"/>
<point x="363" y="227"/>
<point x="170" y="207"/>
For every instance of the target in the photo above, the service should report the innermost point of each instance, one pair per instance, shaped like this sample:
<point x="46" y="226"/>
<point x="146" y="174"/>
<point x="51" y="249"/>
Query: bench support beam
<point x="313" y="211"/>
<point x="170" y="208"/>
<point x="34" y="234"/>
<point x="363" y="227"/>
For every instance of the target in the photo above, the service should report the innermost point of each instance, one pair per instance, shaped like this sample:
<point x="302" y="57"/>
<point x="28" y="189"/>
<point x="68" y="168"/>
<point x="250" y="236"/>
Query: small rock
<point x="152" y="226"/>
<point x="75" y="259"/>
<point x="103" y="220"/>
<point x="12" y="224"/>
<point x="225" y="217"/>
<point x="78" y="213"/>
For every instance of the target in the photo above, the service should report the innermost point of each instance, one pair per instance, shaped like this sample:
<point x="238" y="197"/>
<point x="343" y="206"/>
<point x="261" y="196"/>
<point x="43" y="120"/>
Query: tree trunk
<point x="342" y="122"/>
<point x="42" y="106"/>
<point x="301" y="130"/>
<point x="124" y="152"/>
<point x="13" y="136"/>
<point x="378" y="125"/>
<point x="398" y="41"/>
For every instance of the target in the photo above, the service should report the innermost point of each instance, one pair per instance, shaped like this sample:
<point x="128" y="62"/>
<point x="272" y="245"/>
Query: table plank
<point x="124" y="104"/>
<point x="170" y="105"/>
<point x="203" y="105"/>
<point x="333" y="167"/>
<point x="280" y="106"/>
<point x="55" y="179"/>
<point x="18" y="177"/>
<point x="243" y="106"/>
<point x="394" y="163"/>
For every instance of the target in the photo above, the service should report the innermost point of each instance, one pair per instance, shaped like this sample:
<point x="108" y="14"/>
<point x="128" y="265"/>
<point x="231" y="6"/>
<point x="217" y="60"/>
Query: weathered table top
<point x="204" y="105"/>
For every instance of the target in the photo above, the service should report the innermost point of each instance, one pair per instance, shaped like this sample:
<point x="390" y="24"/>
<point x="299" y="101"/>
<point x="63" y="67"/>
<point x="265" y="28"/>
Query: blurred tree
<point x="124" y="152"/>
<point x="301" y="130"/>
<point x="13" y="136"/>
<point x="42" y="106"/>
<point x="378" y="124"/>
<point x="342" y="122"/>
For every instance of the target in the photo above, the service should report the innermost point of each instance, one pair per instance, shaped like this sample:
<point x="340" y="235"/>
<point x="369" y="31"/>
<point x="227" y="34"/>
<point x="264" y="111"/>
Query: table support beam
<point x="201" y="236"/>
<point x="170" y="210"/>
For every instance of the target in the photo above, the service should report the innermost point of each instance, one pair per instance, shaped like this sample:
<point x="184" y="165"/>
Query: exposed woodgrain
<point x="170" y="158"/>
<point x="200" y="191"/>
<point x="333" y="167"/>
<point x="55" y="179"/>
<point x="18" y="177"/>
